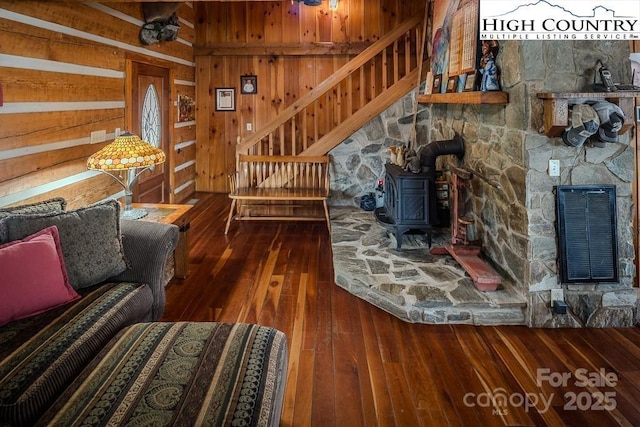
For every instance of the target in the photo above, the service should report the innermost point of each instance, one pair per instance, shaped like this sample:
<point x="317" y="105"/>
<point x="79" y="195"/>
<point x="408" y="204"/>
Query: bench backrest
<point x="283" y="172"/>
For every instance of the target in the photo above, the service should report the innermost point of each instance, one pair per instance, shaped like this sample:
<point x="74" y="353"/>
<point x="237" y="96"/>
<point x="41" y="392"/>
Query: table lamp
<point x="127" y="153"/>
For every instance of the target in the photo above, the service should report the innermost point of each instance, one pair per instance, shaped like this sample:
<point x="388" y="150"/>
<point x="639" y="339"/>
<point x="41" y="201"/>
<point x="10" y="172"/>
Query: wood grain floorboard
<point x="352" y="364"/>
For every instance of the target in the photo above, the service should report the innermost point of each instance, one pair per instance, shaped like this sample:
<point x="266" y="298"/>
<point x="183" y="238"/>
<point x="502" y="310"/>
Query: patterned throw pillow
<point x="89" y="236"/>
<point x="57" y="204"/>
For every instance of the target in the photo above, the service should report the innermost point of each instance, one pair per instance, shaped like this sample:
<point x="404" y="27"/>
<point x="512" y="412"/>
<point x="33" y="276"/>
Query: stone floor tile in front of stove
<point x="412" y="284"/>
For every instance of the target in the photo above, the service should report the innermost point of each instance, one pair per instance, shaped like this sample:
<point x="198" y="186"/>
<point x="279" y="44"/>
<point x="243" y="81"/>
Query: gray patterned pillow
<point x="57" y="204"/>
<point x="89" y="236"/>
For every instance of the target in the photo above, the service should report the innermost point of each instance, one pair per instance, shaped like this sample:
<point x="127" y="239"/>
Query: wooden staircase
<point x="357" y="92"/>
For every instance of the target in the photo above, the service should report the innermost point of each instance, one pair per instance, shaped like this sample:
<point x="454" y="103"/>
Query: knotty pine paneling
<point x="73" y="57"/>
<point x="282" y="79"/>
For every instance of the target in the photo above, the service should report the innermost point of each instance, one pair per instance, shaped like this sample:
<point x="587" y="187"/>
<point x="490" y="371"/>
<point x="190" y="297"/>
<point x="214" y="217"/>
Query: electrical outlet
<point x="249" y="126"/>
<point x="557" y="295"/>
<point x="98" y="136"/>
<point x="554" y="167"/>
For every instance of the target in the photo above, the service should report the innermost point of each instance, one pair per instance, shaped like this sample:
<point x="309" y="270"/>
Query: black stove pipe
<point x="429" y="154"/>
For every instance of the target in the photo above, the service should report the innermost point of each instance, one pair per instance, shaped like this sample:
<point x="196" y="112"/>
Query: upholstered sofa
<point x="81" y="293"/>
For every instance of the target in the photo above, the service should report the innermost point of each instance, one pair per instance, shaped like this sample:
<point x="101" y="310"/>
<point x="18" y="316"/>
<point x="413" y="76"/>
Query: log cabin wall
<point x="63" y="75"/>
<point x="291" y="48"/>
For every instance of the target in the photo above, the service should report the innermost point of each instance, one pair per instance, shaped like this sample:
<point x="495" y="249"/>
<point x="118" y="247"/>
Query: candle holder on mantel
<point x="466" y="253"/>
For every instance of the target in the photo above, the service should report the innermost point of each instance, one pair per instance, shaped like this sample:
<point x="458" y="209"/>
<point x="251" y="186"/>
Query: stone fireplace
<point x="515" y="220"/>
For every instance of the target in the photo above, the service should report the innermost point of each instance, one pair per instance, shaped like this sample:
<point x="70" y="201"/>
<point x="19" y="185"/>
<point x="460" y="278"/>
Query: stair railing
<point x="353" y="87"/>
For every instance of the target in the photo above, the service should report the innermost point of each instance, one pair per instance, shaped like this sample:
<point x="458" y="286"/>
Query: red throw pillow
<point x="33" y="278"/>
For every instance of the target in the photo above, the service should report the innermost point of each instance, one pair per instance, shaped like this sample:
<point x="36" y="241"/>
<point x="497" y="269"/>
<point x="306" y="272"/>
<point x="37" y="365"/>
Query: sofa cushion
<point x="41" y="355"/>
<point x="183" y="374"/>
<point x="57" y="204"/>
<point x="44" y="285"/>
<point x="89" y="236"/>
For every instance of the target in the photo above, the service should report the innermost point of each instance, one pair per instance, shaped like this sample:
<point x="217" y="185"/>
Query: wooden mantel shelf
<point x="465" y="98"/>
<point x="556" y="108"/>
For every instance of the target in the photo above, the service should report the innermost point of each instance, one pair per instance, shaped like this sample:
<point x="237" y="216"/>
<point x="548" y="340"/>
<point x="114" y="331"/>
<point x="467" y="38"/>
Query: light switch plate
<point x="554" y="167"/>
<point x="98" y="136"/>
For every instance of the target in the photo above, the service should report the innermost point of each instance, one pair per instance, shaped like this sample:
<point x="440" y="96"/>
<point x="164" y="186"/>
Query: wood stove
<point x="410" y="198"/>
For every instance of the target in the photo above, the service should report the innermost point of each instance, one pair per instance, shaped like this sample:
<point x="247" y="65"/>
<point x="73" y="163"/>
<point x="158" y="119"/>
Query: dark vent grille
<point x="587" y="240"/>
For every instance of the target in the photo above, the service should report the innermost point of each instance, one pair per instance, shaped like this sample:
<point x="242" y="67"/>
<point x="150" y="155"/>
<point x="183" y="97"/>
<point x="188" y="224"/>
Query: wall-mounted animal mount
<point x="161" y="22"/>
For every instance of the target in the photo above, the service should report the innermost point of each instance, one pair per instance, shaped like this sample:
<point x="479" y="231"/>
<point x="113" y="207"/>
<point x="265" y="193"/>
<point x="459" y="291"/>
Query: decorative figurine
<point x="488" y="67"/>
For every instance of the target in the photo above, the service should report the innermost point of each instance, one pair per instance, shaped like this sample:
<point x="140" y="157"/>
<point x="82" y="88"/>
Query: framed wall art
<point x="470" y="82"/>
<point x="248" y="84"/>
<point x="452" y="84"/>
<point x="454" y="39"/>
<point x="186" y="108"/>
<point x="225" y="99"/>
<point x="437" y="82"/>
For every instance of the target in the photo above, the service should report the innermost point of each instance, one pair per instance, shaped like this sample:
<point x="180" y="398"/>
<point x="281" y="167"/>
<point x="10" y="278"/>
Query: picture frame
<point x="225" y="99"/>
<point x="186" y="109"/>
<point x="437" y="82"/>
<point x="452" y="84"/>
<point x="470" y="83"/>
<point x="249" y="84"/>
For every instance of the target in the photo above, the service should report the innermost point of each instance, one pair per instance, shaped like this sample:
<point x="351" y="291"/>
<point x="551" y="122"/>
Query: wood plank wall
<point x="62" y="71"/>
<point x="285" y="71"/>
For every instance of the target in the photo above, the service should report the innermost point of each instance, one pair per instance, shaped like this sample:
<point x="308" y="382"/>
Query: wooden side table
<point x="177" y="215"/>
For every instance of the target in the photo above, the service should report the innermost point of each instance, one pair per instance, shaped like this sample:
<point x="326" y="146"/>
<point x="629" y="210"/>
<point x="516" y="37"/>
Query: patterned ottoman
<point x="185" y="373"/>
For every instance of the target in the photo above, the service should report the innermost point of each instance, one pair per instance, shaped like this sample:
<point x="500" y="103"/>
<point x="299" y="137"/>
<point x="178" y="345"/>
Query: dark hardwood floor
<point x="353" y="364"/>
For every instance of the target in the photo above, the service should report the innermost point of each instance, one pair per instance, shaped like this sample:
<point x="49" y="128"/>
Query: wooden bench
<point x="278" y="181"/>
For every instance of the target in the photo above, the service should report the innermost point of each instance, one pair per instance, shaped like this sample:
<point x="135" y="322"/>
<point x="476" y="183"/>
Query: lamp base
<point x="133" y="213"/>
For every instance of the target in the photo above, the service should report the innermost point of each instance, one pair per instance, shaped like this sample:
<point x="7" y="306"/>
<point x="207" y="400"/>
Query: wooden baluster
<point x="337" y="111"/>
<point x="407" y="53"/>
<point x="281" y="132"/>
<point x="293" y="136"/>
<point x="271" y="144"/>
<point x="396" y="62"/>
<point x="349" y="96"/>
<point x="385" y="64"/>
<point x="372" y="83"/>
<point x="305" y="143"/>
<point x="315" y="121"/>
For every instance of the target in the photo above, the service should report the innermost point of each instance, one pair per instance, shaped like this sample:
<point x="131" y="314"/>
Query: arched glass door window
<point x="151" y="117"/>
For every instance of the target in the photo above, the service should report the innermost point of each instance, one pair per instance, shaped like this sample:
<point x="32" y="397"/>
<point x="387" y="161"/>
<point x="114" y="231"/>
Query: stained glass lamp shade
<point x="127" y="153"/>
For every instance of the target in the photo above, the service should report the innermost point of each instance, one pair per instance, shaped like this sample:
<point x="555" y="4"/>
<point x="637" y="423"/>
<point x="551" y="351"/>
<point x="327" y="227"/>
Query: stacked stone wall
<point x="511" y="197"/>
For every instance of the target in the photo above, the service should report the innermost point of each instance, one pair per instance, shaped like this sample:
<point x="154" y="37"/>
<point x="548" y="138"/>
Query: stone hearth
<point x="412" y="284"/>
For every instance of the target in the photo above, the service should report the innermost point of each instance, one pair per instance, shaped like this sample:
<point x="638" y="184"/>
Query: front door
<point x="150" y="120"/>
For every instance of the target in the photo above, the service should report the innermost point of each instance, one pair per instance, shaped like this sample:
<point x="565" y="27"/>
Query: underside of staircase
<point x="357" y="92"/>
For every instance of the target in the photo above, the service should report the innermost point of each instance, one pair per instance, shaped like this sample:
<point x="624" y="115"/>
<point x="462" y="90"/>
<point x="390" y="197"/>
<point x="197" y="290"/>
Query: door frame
<point x="130" y="59"/>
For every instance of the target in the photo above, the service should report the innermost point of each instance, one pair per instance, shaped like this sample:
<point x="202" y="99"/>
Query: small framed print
<point x="452" y="84"/>
<point x="470" y="83"/>
<point x="437" y="82"/>
<point x="186" y="109"/>
<point x="248" y="85"/>
<point x="225" y="99"/>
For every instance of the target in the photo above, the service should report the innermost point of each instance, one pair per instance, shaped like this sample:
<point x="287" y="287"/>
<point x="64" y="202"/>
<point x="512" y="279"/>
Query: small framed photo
<point x="470" y="83"/>
<point x="225" y="99"/>
<point x="437" y="82"/>
<point x="249" y="85"/>
<point x="186" y="109"/>
<point x="452" y="84"/>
